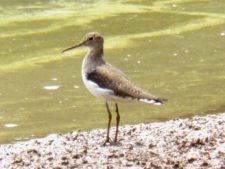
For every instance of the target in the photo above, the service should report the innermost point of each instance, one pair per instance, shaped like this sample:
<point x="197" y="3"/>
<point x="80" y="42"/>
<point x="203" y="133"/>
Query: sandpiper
<point x="107" y="82"/>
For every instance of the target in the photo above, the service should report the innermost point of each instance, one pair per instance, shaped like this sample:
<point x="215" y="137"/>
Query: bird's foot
<point x="116" y="142"/>
<point x="106" y="143"/>
<point x="109" y="142"/>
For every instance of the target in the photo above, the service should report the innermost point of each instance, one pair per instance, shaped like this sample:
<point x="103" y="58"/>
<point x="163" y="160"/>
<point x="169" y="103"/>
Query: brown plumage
<point x="108" y="77"/>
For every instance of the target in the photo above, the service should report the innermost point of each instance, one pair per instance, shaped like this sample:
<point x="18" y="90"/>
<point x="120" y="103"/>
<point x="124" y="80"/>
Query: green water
<point x="173" y="48"/>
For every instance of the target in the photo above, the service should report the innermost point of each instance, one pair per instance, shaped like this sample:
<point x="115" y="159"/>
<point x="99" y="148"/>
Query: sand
<point x="197" y="142"/>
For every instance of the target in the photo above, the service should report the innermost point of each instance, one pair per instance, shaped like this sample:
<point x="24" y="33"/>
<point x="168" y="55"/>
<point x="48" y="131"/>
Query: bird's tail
<point x="157" y="101"/>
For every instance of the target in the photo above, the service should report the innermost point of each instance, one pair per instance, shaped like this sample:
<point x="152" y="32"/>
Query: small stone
<point x="128" y="164"/>
<point x="191" y="160"/>
<point x="205" y="164"/>
<point x="151" y="145"/>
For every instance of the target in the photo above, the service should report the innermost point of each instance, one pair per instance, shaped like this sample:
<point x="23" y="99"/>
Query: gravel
<point x="197" y="142"/>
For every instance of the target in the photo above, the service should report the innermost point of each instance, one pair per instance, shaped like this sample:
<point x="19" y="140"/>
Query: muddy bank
<point x="197" y="142"/>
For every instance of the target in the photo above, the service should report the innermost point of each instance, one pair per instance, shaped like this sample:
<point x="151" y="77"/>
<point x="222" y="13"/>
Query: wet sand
<point x="197" y="142"/>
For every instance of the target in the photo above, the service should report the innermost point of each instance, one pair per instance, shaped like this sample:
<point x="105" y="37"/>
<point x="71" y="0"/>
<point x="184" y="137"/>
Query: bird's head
<point x="91" y="40"/>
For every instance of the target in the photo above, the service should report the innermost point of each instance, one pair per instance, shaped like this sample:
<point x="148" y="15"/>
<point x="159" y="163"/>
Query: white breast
<point x="94" y="88"/>
<point x="105" y="94"/>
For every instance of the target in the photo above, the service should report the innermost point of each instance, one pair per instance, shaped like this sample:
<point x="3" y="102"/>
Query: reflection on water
<point x="10" y="125"/>
<point x="51" y="87"/>
<point x="172" y="48"/>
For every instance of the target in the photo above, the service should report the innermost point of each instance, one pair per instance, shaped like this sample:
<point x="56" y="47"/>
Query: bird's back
<point x="109" y="77"/>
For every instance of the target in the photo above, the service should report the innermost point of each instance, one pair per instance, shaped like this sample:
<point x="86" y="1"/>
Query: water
<point x="173" y="49"/>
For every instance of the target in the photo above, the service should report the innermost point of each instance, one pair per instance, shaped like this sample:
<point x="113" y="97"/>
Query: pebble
<point x="196" y="142"/>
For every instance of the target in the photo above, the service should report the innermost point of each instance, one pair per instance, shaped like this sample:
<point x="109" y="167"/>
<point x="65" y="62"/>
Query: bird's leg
<point x="117" y="122"/>
<point x="109" y="123"/>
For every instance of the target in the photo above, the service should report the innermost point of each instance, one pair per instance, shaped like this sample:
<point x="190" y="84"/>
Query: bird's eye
<point x="91" y="38"/>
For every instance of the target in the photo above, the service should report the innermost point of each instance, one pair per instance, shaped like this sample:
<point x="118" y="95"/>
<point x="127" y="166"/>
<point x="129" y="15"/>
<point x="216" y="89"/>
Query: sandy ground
<point x="197" y="142"/>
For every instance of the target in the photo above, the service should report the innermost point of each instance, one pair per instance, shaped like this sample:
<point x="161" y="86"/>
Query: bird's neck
<point x="93" y="58"/>
<point x="95" y="52"/>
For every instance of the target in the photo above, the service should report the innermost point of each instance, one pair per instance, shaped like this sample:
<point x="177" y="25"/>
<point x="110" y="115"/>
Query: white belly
<point x="96" y="90"/>
<point x="105" y="94"/>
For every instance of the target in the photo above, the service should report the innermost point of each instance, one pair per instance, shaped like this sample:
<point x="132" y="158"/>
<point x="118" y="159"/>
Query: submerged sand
<point x="197" y="142"/>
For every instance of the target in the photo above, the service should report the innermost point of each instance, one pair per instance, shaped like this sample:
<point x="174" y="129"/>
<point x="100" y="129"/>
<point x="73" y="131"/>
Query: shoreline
<point x="196" y="142"/>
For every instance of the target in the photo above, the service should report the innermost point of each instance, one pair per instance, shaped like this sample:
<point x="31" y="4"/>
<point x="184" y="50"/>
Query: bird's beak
<point x="73" y="47"/>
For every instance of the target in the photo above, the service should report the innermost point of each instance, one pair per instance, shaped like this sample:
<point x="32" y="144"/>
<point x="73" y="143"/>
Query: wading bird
<point x="107" y="82"/>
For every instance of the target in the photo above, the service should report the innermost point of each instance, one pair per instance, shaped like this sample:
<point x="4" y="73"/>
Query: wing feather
<point x="106" y="76"/>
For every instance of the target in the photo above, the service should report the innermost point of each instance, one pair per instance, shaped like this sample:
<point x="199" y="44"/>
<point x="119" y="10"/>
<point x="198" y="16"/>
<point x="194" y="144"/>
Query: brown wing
<point x="106" y="76"/>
